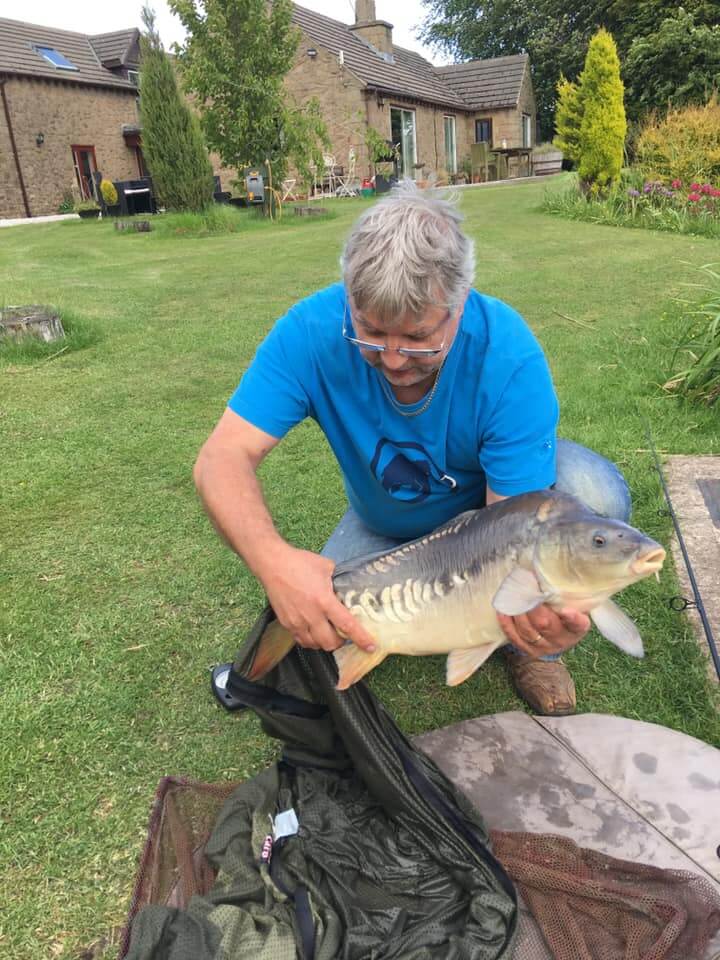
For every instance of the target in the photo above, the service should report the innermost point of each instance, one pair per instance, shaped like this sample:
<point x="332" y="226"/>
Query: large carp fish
<point x="441" y="593"/>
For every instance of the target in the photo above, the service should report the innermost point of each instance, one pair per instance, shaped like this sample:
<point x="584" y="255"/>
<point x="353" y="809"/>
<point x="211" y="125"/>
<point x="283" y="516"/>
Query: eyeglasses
<point x="383" y="348"/>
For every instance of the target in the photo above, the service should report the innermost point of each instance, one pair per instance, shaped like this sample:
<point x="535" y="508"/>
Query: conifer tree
<point x="172" y="142"/>
<point x="603" y="124"/>
<point x="568" y="117"/>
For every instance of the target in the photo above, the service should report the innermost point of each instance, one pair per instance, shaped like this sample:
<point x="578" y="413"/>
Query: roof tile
<point x="487" y="84"/>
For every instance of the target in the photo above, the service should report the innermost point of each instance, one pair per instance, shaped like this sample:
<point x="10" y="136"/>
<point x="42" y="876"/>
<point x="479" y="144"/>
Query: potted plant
<point x="87" y="209"/>
<point x="382" y="153"/>
<point x="110" y="196"/>
<point x="546" y="158"/>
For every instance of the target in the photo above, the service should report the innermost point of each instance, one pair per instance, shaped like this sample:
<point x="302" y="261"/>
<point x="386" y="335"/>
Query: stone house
<point x="68" y="106"/>
<point x="433" y="113"/>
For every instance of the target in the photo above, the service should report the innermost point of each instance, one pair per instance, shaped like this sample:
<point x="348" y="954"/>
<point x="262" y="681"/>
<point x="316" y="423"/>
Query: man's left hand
<point x="542" y="631"/>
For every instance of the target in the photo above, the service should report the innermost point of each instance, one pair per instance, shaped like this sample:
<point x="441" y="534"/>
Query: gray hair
<point x="405" y="252"/>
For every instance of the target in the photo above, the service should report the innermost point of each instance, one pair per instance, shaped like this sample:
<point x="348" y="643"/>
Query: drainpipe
<point x="14" y="148"/>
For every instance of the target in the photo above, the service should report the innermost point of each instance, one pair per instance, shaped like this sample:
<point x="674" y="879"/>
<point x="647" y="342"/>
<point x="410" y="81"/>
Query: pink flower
<point x="676" y="184"/>
<point x="693" y="197"/>
<point x="695" y="187"/>
<point x="706" y="188"/>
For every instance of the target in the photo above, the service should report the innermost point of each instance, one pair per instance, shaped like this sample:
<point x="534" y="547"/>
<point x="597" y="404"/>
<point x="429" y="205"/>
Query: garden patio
<point x="118" y="597"/>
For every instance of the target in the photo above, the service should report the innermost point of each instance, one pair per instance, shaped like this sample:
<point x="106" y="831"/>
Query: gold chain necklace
<point x="412" y="413"/>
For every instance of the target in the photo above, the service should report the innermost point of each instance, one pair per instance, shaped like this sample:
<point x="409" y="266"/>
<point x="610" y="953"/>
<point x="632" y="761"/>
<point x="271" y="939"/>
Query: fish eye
<point x="599" y="540"/>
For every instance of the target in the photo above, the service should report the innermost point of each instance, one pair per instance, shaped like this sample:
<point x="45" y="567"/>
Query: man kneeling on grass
<point x="434" y="398"/>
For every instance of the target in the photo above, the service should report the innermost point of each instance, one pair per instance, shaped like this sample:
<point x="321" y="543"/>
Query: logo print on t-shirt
<point x="407" y="471"/>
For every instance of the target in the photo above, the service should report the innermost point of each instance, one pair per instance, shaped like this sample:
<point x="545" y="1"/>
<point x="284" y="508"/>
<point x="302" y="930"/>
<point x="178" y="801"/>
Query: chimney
<point x="378" y="33"/>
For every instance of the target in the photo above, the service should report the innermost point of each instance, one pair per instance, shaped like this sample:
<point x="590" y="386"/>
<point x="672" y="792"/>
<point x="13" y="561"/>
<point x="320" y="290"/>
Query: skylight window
<point x="56" y="59"/>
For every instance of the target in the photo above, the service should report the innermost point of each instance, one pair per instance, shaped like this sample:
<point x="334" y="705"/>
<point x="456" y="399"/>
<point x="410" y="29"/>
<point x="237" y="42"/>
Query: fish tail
<point x="353" y="663"/>
<point x="275" y="643"/>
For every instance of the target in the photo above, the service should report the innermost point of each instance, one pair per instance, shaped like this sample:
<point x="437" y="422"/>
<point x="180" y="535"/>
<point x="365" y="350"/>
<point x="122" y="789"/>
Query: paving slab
<point x="28" y="221"/>
<point x="694" y="485"/>
<point x="629" y="789"/>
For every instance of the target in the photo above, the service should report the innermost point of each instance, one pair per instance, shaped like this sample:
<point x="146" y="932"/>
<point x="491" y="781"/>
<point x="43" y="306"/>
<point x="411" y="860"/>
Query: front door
<point x="402" y="132"/>
<point x="85" y="166"/>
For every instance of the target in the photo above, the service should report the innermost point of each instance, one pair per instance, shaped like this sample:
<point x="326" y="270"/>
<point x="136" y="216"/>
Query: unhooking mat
<point x="356" y="846"/>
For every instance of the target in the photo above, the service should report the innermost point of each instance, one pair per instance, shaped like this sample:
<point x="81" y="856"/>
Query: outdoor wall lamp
<point x="39" y="139"/>
<point x="312" y="53"/>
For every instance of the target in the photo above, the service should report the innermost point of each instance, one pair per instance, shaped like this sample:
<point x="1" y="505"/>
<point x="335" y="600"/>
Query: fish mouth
<point x="649" y="562"/>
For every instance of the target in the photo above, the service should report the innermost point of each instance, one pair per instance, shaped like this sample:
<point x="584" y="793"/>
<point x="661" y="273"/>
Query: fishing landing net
<point x="583" y="905"/>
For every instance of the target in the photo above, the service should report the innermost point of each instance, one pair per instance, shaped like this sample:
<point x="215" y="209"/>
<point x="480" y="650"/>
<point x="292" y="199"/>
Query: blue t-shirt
<point x="492" y="419"/>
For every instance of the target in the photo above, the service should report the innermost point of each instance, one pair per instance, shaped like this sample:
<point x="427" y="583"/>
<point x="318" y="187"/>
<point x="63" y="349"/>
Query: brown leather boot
<point x="546" y="685"/>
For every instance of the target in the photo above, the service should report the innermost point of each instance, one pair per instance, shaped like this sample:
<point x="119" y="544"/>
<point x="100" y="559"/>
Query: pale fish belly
<point x="415" y="617"/>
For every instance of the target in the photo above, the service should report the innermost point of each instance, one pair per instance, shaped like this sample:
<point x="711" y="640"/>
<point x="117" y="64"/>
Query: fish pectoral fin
<point x="275" y="643"/>
<point x="353" y="663"/>
<point x="461" y="664"/>
<point x="518" y="593"/>
<point x="618" y="628"/>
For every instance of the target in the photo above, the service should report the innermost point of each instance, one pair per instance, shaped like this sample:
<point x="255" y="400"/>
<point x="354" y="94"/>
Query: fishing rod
<point x="682" y="603"/>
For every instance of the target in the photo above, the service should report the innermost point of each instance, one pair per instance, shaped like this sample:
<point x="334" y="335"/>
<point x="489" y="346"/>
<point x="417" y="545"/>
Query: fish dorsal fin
<point x="618" y="628"/>
<point x="462" y="664"/>
<point x="518" y="593"/>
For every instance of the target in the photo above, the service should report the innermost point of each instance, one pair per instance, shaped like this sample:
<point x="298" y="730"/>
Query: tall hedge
<point x="683" y="145"/>
<point x="172" y="142"/>
<point x="603" y="125"/>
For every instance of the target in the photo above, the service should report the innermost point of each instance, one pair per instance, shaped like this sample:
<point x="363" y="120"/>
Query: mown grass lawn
<point x="116" y="595"/>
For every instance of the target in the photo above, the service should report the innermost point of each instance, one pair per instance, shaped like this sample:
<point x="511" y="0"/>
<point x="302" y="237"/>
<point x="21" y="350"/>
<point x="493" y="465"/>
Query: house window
<point x="526" y="130"/>
<point x="85" y="165"/>
<point x="56" y="59"/>
<point x="450" y="145"/>
<point x="402" y="132"/>
<point x="483" y="131"/>
<point x="134" y="77"/>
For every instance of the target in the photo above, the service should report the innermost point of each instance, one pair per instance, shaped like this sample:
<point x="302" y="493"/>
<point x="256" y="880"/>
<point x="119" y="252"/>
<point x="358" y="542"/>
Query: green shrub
<point x="698" y="350"/>
<point x="603" y="125"/>
<point x="684" y="145"/>
<point x="85" y="205"/>
<point x="568" y="117"/>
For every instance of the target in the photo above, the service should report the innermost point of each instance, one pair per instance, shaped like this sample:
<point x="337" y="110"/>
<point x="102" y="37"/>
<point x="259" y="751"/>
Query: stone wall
<point x="66" y="115"/>
<point x="341" y="99"/>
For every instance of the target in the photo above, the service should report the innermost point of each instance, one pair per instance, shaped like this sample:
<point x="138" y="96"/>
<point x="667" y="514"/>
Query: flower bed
<point x="653" y="204"/>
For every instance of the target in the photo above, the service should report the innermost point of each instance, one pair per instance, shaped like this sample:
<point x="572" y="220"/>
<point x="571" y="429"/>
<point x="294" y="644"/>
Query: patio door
<point x="450" y="145"/>
<point x="85" y="165"/>
<point x="402" y="132"/>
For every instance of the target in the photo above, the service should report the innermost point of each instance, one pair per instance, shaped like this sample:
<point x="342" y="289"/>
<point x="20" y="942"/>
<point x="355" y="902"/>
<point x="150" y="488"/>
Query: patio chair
<point x="348" y="184"/>
<point x="288" y="189"/>
<point x="483" y="162"/>
<point x="329" y="178"/>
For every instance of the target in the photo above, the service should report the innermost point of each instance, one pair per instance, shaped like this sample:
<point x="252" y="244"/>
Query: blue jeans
<point x="580" y="472"/>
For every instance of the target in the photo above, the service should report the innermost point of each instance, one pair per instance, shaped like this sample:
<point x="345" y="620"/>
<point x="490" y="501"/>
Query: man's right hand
<point x="299" y="587"/>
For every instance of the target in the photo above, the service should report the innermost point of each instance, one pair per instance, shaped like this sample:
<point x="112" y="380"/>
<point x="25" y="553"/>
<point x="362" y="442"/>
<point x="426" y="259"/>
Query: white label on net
<point x="285" y="824"/>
